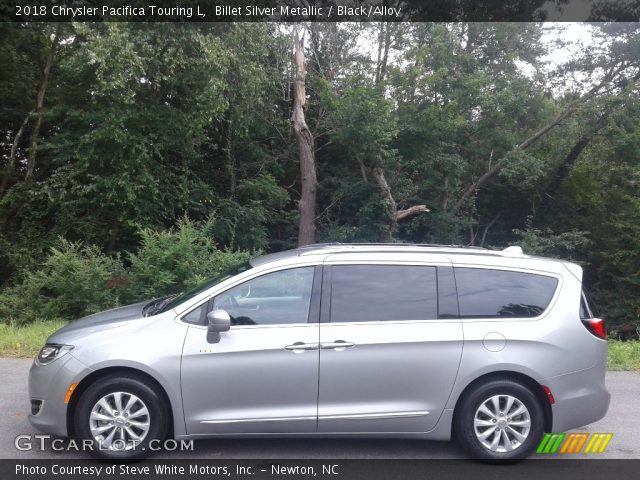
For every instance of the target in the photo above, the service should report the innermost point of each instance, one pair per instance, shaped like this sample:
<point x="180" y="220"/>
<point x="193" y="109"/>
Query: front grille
<point x="36" y="406"/>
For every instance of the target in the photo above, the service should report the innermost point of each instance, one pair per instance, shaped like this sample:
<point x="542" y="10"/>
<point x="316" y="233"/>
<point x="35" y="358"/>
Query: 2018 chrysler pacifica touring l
<point x="490" y="347"/>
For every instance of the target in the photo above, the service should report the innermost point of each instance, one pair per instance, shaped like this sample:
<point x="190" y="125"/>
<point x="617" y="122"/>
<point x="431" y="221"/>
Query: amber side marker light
<point x="67" y="397"/>
<point x="547" y="391"/>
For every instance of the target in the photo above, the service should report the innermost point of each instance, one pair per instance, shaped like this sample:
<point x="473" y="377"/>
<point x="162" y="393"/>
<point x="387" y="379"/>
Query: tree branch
<point x="559" y="118"/>
<point x="12" y="156"/>
<point x="385" y="192"/>
<point x="408" y="212"/>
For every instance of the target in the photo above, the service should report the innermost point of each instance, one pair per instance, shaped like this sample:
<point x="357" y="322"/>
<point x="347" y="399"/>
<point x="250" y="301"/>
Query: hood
<point x="99" y="322"/>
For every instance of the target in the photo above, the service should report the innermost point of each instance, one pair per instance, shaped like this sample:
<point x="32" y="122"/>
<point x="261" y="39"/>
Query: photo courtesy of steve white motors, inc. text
<point x="172" y="469"/>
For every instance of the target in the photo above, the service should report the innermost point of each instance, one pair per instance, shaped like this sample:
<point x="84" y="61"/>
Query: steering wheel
<point x="228" y="303"/>
<point x="246" y="291"/>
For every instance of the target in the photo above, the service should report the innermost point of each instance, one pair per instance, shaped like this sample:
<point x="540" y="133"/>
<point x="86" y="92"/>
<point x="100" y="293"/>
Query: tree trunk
<point x="444" y="198"/>
<point x="392" y="207"/>
<point x="31" y="160"/>
<point x="114" y="232"/>
<point x="307" y="204"/>
<point x="395" y="215"/>
<point x="376" y="80"/>
<point x="487" y="227"/>
<point x="228" y="152"/>
<point x="384" y="42"/>
<point x="421" y="41"/>
<point x="363" y="169"/>
<point x="12" y="156"/>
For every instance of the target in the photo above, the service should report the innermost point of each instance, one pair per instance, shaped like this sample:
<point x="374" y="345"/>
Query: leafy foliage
<point x="157" y="139"/>
<point x="567" y="245"/>
<point x="72" y="281"/>
<point x="76" y="280"/>
<point x="175" y="260"/>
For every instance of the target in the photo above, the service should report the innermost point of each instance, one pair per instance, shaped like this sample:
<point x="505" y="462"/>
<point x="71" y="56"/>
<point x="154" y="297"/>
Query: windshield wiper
<point x="152" y="307"/>
<point x="157" y="305"/>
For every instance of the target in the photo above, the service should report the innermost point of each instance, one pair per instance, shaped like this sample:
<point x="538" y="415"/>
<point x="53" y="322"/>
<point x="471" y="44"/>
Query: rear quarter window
<point x="587" y="307"/>
<point x="488" y="293"/>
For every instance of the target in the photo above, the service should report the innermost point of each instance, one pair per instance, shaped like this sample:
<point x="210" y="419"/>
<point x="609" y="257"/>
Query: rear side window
<point x="366" y="293"/>
<point x="486" y="293"/>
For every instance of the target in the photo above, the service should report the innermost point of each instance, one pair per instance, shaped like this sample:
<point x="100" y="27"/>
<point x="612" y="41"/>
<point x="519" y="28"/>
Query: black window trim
<point x="589" y="304"/>
<point x="447" y="286"/>
<point x="203" y="315"/>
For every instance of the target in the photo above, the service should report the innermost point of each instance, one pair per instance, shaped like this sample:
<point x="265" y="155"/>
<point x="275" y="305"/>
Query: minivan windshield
<point x="173" y="301"/>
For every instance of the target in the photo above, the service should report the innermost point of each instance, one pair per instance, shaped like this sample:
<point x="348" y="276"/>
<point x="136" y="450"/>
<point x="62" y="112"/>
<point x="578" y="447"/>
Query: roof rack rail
<point x="385" y="244"/>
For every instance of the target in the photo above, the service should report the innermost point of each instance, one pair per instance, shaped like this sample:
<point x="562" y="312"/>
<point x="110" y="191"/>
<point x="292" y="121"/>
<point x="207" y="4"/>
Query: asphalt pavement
<point x="622" y="420"/>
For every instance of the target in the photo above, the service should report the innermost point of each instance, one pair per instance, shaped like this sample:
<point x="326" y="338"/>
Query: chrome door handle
<point x="338" y="345"/>
<point x="300" y="347"/>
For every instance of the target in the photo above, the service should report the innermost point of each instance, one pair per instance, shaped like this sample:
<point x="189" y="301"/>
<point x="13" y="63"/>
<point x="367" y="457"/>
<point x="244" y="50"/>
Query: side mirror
<point x="217" y="321"/>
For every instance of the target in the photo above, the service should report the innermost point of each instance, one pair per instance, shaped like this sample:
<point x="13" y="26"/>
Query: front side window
<point x="486" y="293"/>
<point x="275" y="298"/>
<point x="366" y="293"/>
<point x="195" y="316"/>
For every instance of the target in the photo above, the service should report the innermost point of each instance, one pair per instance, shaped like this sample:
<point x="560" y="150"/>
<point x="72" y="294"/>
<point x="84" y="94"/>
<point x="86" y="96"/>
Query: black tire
<point x="463" y="422"/>
<point x="158" y="415"/>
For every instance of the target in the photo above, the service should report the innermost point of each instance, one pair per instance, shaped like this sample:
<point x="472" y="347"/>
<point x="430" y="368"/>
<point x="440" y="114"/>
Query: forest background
<point x="138" y="159"/>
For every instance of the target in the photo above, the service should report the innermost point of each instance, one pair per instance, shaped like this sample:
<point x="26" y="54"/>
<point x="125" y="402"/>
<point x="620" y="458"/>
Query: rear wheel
<point x="120" y="416"/>
<point x="500" y="420"/>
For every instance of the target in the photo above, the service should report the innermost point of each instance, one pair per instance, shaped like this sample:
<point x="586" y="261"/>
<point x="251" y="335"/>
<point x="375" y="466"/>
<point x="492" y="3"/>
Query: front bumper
<point x="48" y="385"/>
<point x="581" y="398"/>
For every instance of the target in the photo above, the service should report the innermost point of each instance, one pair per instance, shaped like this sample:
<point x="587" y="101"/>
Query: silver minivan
<point x="492" y="348"/>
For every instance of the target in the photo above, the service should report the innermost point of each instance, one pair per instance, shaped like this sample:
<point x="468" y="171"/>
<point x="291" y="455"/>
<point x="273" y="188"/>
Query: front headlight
<point x="51" y="352"/>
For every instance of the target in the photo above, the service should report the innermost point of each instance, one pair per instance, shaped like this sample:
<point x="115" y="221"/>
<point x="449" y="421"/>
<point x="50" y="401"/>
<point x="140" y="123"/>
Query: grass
<point x="25" y="341"/>
<point x="624" y="355"/>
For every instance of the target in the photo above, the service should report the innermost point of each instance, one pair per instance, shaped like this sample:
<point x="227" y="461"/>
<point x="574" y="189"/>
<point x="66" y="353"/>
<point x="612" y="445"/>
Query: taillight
<point x="596" y="326"/>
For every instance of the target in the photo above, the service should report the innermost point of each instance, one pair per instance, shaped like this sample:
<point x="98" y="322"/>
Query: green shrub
<point x="565" y="245"/>
<point x="74" y="280"/>
<point x="175" y="260"/>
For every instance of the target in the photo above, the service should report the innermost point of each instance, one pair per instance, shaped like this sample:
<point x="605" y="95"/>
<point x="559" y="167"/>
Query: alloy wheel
<point x="119" y="421"/>
<point x="502" y="423"/>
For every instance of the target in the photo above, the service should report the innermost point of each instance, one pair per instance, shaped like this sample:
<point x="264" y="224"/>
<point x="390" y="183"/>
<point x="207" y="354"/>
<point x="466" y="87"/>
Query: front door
<point x="388" y="360"/>
<point x="262" y="376"/>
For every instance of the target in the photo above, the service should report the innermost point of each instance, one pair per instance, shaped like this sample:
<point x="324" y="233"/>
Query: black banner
<point x="319" y="10"/>
<point x="539" y="469"/>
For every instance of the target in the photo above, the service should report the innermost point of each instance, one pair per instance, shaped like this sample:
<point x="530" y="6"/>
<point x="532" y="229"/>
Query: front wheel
<point x="501" y="420"/>
<point x="120" y="416"/>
